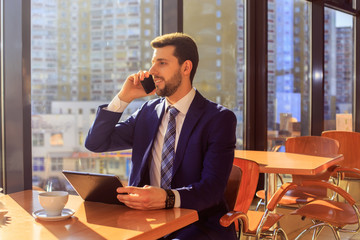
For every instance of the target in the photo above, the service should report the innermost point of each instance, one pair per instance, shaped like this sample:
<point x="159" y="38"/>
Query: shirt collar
<point x="183" y="104"/>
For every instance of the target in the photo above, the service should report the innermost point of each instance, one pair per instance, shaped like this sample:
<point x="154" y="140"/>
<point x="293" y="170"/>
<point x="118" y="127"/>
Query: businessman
<point x="182" y="144"/>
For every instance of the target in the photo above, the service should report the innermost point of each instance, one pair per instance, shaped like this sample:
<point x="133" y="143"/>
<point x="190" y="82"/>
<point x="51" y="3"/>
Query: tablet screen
<point x="94" y="187"/>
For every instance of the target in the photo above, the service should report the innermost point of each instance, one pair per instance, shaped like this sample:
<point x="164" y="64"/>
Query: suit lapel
<point x="192" y="117"/>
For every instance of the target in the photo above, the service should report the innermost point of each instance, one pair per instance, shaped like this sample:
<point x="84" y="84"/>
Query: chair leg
<point x="334" y="231"/>
<point x="260" y="202"/>
<point x="317" y="231"/>
<point x="240" y="226"/>
<point x="280" y="232"/>
<point x="315" y="228"/>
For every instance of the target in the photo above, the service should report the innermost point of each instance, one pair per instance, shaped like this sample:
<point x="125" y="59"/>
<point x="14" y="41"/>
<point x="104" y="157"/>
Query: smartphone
<point x="148" y="84"/>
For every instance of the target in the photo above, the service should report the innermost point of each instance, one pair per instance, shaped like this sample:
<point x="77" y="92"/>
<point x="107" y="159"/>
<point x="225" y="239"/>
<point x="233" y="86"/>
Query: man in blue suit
<point x="204" y="141"/>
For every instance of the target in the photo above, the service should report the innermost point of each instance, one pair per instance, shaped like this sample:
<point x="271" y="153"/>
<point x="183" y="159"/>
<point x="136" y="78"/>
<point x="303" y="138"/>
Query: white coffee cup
<point x="53" y="202"/>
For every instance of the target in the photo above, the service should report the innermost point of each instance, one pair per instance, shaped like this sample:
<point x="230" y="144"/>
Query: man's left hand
<point x="145" y="198"/>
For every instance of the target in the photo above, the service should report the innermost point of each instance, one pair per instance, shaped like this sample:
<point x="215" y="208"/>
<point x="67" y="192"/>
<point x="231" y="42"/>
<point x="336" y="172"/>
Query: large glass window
<point x="218" y="28"/>
<point x="288" y="70"/>
<point x="81" y="53"/>
<point x="339" y="70"/>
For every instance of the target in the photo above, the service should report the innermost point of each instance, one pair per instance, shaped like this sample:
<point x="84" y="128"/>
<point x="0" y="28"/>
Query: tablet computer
<point x="94" y="187"/>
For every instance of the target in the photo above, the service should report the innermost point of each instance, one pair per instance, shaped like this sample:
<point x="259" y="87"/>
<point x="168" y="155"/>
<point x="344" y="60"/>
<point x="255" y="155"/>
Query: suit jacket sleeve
<point x="106" y="134"/>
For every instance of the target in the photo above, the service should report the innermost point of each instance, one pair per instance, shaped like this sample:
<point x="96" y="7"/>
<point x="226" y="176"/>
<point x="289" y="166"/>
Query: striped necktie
<point x="168" y="151"/>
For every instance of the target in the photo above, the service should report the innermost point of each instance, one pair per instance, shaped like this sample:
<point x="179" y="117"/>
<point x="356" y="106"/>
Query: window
<point x="288" y="70"/>
<point x="339" y="70"/>
<point x="38" y="139"/>
<point x="220" y="74"/>
<point x="38" y="164"/>
<point x="67" y="68"/>
<point x="76" y="70"/>
<point x="56" y="164"/>
<point x="56" y="139"/>
<point x="81" y="138"/>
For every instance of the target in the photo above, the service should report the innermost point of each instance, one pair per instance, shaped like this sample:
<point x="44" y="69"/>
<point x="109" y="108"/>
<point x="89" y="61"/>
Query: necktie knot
<point x="173" y="111"/>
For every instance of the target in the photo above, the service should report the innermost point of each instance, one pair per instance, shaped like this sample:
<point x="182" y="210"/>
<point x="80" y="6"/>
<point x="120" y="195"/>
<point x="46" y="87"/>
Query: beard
<point x="171" y="86"/>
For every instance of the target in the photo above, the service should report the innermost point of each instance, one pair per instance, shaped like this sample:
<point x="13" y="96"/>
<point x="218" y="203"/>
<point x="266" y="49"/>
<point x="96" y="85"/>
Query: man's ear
<point x="187" y="67"/>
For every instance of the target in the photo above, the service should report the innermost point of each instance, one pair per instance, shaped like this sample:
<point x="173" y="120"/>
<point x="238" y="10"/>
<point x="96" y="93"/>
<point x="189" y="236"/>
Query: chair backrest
<point x="248" y="184"/>
<point x="349" y="146"/>
<point x="312" y="145"/>
<point x="315" y="146"/>
<point x="232" y="187"/>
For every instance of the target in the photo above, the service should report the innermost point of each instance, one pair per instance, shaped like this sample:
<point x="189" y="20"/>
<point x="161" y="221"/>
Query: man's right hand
<point x="142" y="198"/>
<point x="132" y="88"/>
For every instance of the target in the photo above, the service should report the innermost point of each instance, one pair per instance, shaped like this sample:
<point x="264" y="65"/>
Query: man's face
<point x="166" y="71"/>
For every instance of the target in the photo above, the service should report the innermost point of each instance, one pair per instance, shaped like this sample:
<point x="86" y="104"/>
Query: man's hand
<point x="145" y="198"/>
<point x="132" y="88"/>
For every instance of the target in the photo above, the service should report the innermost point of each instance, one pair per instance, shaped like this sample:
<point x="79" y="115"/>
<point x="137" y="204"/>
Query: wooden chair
<point x="251" y="223"/>
<point x="232" y="187"/>
<point x="349" y="146"/>
<point x="329" y="213"/>
<point x="307" y="145"/>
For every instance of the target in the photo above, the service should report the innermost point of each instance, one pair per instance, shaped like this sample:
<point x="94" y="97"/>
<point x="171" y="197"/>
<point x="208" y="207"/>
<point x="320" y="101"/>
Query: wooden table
<point x="289" y="163"/>
<point x="91" y="220"/>
<point x="286" y="163"/>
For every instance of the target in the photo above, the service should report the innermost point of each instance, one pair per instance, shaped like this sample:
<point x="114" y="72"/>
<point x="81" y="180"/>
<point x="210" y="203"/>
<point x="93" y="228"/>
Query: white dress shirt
<point x="183" y="105"/>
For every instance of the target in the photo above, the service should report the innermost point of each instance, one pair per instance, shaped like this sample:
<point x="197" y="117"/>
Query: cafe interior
<point x="288" y="69"/>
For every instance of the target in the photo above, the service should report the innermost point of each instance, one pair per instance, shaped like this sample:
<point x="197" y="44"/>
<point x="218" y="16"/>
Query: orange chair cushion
<point x="254" y="220"/>
<point x="335" y="213"/>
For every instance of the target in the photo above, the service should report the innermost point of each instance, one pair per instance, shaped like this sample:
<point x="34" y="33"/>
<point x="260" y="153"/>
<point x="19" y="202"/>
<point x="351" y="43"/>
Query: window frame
<point x="16" y="157"/>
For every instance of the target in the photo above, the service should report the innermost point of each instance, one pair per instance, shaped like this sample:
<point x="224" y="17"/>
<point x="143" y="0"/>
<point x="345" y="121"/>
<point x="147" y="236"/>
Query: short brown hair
<point x="185" y="48"/>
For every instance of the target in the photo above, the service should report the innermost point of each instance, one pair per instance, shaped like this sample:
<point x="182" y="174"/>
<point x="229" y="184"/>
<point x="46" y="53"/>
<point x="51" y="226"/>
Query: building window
<point x="81" y="138"/>
<point x="38" y="139"/>
<point x="38" y="164"/>
<point x="56" y="139"/>
<point x="56" y="164"/>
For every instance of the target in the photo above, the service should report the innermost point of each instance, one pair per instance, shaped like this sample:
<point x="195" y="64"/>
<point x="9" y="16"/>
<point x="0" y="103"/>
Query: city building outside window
<point x="220" y="38"/>
<point x="288" y="71"/>
<point x="82" y="52"/>
<point x="339" y="70"/>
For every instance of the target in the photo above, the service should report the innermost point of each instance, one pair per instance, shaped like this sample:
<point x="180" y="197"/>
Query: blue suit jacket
<point x="204" y="154"/>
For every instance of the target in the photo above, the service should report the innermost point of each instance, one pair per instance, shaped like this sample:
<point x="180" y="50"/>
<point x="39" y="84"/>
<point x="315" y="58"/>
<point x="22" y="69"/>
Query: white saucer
<point x="41" y="214"/>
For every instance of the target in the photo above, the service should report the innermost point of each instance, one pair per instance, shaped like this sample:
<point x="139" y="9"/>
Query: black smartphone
<point x="148" y="84"/>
